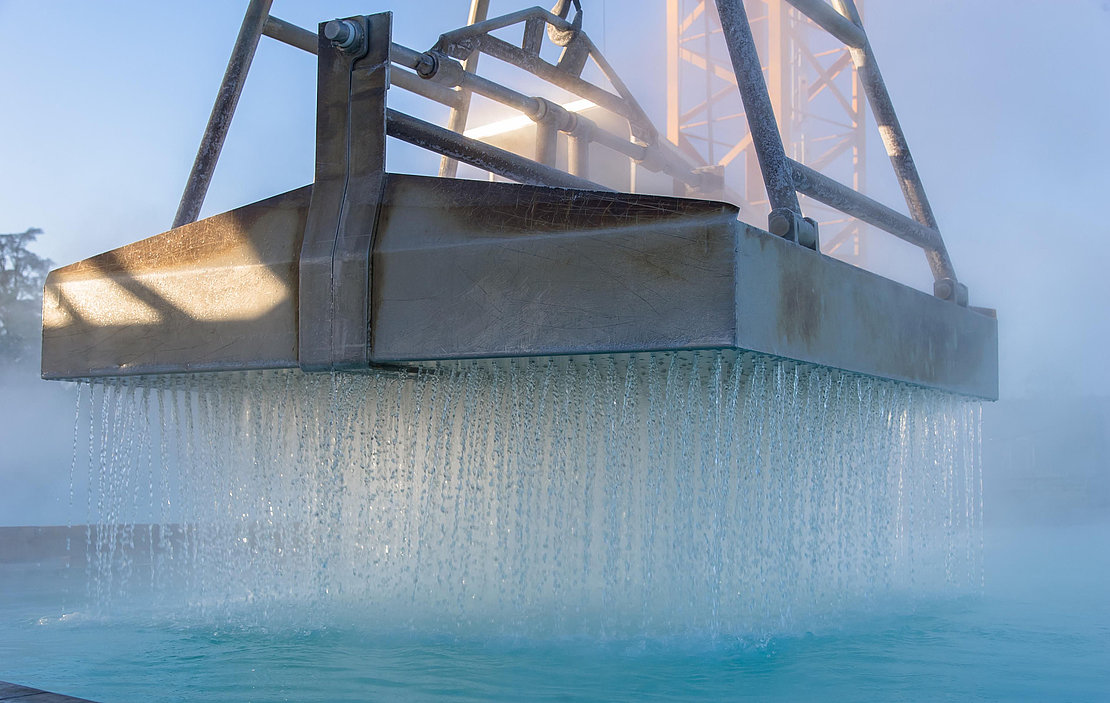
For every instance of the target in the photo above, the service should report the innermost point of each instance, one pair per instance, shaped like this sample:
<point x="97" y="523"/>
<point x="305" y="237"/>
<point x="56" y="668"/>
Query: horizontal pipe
<point x="415" y="84"/>
<point x="509" y="53"/>
<point x="851" y="202"/>
<point x="291" y="34"/>
<point x="484" y="156"/>
<point x="416" y="60"/>
<point x="498" y="93"/>
<point x="656" y="157"/>
<point x="621" y="145"/>
<point x="824" y="16"/>
<point x="451" y="74"/>
<point x="305" y="40"/>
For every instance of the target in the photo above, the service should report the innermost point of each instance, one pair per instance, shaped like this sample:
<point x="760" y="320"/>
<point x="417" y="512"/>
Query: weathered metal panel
<point x="218" y="294"/>
<point x="478" y="269"/>
<point x="795" y="303"/>
<point x="471" y="269"/>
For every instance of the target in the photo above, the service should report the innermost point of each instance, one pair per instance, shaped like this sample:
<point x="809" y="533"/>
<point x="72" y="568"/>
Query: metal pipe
<point x="429" y="89"/>
<point x="498" y="93"/>
<point x="578" y="154"/>
<point x="477" y="29"/>
<point x="215" y="132"/>
<point x="851" y="202"/>
<point x="448" y="72"/>
<point x="291" y="34"/>
<point x="418" y="61"/>
<point x="659" y="156"/>
<point x="301" y="38"/>
<point x="470" y="151"/>
<point x="504" y="51"/>
<point x="448" y="167"/>
<point x="824" y="16"/>
<point x="894" y="141"/>
<point x="757" y="104"/>
<point x="621" y="145"/>
<point x="547" y="142"/>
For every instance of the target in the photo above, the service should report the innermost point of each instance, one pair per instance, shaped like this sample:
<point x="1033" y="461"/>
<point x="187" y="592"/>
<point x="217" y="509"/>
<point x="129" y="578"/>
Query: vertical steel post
<point x="674" y="38"/>
<point x="448" y="167"/>
<point x="547" y="142"/>
<point x="578" y="154"/>
<point x="757" y="104"/>
<point x="894" y="141"/>
<point x="334" y="275"/>
<point x="258" y="11"/>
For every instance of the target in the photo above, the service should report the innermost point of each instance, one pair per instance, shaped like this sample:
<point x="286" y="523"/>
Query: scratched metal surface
<point x="217" y="294"/>
<point x="471" y="269"/>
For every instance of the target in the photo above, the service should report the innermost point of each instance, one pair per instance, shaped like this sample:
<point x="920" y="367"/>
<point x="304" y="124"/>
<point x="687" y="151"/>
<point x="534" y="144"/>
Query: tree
<point x="22" y="274"/>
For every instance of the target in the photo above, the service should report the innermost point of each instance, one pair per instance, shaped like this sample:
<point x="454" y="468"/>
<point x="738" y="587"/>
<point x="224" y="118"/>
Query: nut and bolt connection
<point x="343" y="34"/>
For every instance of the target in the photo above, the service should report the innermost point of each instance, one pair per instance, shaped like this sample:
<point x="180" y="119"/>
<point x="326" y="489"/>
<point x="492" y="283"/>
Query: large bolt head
<point x="779" y="224"/>
<point x="342" y="33"/>
<point x="944" y="289"/>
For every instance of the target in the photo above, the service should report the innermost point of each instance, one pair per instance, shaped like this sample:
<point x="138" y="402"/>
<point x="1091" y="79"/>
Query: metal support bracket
<point x="335" y="276"/>
<point x="791" y="226"/>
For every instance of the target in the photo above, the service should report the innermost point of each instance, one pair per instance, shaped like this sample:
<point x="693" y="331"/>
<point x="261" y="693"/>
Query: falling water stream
<point x="659" y="494"/>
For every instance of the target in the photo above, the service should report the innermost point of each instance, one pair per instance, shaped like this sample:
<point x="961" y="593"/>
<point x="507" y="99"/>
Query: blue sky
<point x="1004" y="103"/>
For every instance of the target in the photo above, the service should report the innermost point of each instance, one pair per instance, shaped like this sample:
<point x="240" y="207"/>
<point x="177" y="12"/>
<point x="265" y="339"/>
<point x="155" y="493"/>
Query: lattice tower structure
<point x="816" y="94"/>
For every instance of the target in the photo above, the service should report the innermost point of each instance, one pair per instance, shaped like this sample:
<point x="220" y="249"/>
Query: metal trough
<point x="370" y="268"/>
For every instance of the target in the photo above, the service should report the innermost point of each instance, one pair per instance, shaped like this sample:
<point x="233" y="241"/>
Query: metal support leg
<point x="578" y="154"/>
<point x="448" y="167"/>
<point x="894" y="140"/>
<point x="757" y="105"/>
<point x="786" y="218"/>
<point x="220" y="120"/>
<point x="547" y="142"/>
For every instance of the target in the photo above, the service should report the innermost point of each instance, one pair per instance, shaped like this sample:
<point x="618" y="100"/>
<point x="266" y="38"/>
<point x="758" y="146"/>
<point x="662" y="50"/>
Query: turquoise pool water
<point x="1039" y="631"/>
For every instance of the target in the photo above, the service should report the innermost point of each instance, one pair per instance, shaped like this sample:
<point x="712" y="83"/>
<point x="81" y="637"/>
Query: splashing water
<point x="653" y="495"/>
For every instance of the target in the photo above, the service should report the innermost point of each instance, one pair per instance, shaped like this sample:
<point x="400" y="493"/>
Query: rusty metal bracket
<point x="335" y="275"/>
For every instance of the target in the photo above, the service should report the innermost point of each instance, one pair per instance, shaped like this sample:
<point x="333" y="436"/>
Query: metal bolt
<point x="427" y="65"/>
<point x="343" y="34"/>
<point x="943" y="289"/>
<point x="779" y="224"/>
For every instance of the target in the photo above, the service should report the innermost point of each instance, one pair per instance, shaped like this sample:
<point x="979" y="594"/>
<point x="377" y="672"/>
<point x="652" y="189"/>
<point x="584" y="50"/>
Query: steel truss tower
<point x="816" y="96"/>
